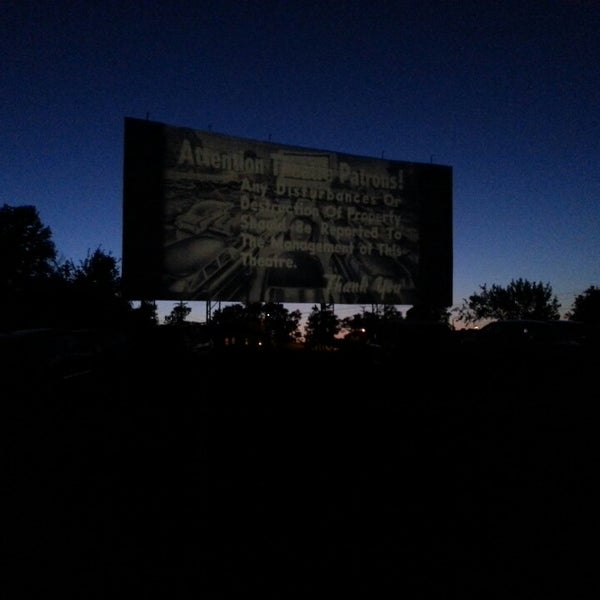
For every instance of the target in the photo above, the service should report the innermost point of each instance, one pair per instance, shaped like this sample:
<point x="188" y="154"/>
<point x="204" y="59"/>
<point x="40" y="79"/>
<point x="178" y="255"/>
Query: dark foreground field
<point x="290" y="475"/>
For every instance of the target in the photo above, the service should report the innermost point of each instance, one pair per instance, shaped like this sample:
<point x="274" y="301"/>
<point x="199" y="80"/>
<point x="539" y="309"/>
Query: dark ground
<point x="292" y="475"/>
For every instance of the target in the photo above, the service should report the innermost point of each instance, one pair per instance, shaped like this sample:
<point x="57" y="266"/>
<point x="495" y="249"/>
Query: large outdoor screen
<point x="210" y="217"/>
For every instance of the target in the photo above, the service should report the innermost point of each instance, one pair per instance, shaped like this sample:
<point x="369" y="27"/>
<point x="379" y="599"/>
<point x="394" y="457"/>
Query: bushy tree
<point x="145" y="315"/>
<point x="269" y="324"/>
<point x="37" y="291"/>
<point x="428" y="313"/>
<point x="178" y="315"/>
<point x="92" y="296"/>
<point x="520" y="299"/>
<point x="586" y="306"/>
<point x="322" y="327"/>
<point x="280" y="326"/>
<point x="28" y="278"/>
<point x="374" y="324"/>
<point x="27" y="252"/>
<point x="230" y="324"/>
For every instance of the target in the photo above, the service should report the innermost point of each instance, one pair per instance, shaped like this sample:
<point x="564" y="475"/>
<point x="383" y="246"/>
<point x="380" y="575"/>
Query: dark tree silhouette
<point x="521" y="299"/>
<point x="375" y="325"/>
<point x="92" y="296"/>
<point x="230" y="325"/>
<point x="178" y="315"/>
<point x="586" y="307"/>
<point x="280" y="326"/>
<point x="428" y="313"/>
<point x="27" y="267"/>
<point x="269" y="324"/>
<point x="37" y="291"/>
<point x="146" y="314"/>
<point x="322" y="327"/>
<point x="27" y="252"/>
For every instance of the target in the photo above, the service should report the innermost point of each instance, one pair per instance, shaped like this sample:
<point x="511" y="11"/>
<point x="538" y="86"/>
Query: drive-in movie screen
<point x="208" y="216"/>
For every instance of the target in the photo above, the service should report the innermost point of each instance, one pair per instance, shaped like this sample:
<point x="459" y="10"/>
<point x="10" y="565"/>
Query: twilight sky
<point x="506" y="93"/>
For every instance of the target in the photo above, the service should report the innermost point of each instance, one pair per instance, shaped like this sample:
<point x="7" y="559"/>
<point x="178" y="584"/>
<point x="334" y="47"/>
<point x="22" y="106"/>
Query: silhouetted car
<point x="409" y="340"/>
<point x="516" y="338"/>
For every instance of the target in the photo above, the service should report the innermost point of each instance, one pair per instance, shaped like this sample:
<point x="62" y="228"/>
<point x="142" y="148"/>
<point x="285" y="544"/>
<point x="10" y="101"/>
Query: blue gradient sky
<point x="507" y="93"/>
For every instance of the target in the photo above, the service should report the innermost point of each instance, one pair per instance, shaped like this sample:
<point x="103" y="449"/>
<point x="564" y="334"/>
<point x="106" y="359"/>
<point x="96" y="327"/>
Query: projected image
<point x="241" y="220"/>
